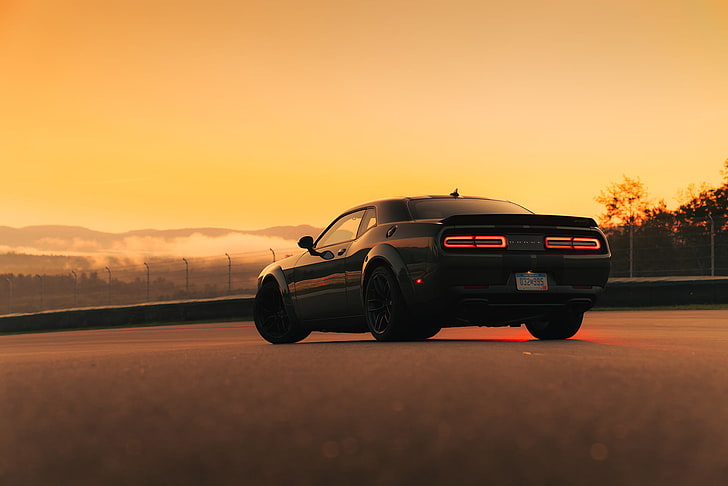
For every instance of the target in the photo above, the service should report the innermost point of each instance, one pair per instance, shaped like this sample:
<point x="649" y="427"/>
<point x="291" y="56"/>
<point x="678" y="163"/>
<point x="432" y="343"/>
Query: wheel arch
<point x="275" y="274"/>
<point x="388" y="256"/>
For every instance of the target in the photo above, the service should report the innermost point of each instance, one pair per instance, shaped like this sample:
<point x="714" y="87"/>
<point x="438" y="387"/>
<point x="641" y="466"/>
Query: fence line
<point x="697" y="250"/>
<point x="151" y="280"/>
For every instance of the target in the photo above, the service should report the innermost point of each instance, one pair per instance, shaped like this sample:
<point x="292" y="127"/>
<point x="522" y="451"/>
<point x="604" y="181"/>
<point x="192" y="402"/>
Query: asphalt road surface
<point x="636" y="398"/>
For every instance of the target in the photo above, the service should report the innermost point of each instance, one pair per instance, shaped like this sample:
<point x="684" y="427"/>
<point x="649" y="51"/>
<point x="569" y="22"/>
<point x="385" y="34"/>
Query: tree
<point x="690" y="240"/>
<point x="626" y="203"/>
<point x="706" y="205"/>
<point x="705" y="211"/>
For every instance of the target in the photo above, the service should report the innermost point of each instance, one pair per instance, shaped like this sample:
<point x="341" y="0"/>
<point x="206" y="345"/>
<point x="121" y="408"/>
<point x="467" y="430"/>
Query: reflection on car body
<point x="403" y="268"/>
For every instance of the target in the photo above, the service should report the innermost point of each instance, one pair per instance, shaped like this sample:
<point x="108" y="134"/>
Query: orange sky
<point x="247" y="114"/>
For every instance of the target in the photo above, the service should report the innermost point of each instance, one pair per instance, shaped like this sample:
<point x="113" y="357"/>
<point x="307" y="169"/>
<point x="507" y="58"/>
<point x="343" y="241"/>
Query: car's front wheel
<point x="271" y="319"/>
<point x="386" y="312"/>
<point x="562" y="325"/>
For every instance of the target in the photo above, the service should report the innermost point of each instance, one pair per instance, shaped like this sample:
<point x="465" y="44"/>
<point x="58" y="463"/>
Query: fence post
<point x="147" y="266"/>
<point x="631" y="250"/>
<point x="108" y="289"/>
<point x="712" y="245"/>
<point x="187" y="277"/>
<point x="10" y="295"/>
<point x="75" y="288"/>
<point x="230" y="273"/>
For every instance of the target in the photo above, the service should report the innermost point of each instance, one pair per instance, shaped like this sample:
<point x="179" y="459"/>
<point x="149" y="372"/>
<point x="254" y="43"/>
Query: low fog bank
<point x="61" y="267"/>
<point x="60" y="249"/>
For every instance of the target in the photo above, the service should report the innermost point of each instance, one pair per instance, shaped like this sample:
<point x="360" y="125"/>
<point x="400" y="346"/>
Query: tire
<point x="271" y="319"/>
<point x="558" y="326"/>
<point x="386" y="312"/>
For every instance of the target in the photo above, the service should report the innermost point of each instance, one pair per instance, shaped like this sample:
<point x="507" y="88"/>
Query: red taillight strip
<point x="587" y="243"/>
<point x="459" y="242"/>
<point x="468" y="241"/>
<point x="572" y="242"/>
<point x="490" y="242"/>
<point x="558" y="242"/>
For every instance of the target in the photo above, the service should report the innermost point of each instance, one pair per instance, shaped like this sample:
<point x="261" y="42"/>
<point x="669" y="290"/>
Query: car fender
<point x="276" y="272"/>
<point x="389" y="255"/>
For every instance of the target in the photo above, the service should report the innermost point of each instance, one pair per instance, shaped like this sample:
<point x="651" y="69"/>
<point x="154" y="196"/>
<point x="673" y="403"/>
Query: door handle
<point x="342" y="251"/>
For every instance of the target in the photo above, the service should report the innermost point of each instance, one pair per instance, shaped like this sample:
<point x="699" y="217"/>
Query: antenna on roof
<point x="455" y="193"/>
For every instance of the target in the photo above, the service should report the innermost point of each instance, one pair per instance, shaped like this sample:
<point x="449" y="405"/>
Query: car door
<point x="354" y="263"/>
<point x="320" y="284"/>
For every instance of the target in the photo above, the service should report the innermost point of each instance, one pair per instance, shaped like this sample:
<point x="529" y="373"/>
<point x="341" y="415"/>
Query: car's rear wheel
<point x="562" y="325"/>
<point x="386" y="312"/>
<point x="271" y="319"/>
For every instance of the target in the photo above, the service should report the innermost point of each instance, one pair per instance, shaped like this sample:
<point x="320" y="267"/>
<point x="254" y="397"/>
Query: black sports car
<point x="403" y="268"/>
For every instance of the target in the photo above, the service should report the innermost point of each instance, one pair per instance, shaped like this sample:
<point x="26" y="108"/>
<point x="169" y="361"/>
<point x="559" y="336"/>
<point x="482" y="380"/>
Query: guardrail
<point x="621" y="292"/>
<point x="142" y="314"/>
<point x="665" y="291"/>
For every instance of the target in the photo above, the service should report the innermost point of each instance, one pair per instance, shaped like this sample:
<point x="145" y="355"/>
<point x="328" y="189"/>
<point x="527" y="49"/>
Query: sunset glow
<point x="241" y="114"/>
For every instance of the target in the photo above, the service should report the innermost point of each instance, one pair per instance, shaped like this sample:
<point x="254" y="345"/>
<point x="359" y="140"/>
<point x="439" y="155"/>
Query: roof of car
<point x="395" y="209"/>
<point x="452" y="197"/>
<point x="430" y="196"/>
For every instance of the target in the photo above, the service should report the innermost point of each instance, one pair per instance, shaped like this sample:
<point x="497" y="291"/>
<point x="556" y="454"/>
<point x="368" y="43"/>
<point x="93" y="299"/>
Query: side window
<point x="343" y="229"/>
<point x="368" y="221"/>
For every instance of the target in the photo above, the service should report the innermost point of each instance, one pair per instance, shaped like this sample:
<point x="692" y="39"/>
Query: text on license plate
<point x="532" y="281"/>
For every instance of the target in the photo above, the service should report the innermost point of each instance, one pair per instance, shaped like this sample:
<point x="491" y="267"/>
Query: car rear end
<point x="506" y="269"/>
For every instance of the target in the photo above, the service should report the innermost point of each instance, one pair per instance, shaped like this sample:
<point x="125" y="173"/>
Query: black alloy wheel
<point x="387" y="316"/>
<point x="271" y="319"/>
<point x="562" y="325"/>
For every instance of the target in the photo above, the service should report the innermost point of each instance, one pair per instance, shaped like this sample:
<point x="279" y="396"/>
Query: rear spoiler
<point x="518" y="220"/>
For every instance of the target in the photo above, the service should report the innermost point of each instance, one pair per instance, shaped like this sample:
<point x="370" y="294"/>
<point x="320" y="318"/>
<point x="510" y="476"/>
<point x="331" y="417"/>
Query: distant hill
<point x="50" y="237"/>
<point x="53" y="249"/>
<point x="288" y="232"/>
<point x="292" y="233"/>
<point x="30" y="235"/>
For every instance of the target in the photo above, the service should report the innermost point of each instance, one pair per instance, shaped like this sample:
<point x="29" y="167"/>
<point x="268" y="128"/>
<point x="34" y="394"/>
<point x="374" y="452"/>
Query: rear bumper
<point x="504" y="304"/>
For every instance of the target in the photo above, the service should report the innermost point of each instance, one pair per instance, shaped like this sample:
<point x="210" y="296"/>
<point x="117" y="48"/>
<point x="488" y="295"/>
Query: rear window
<point x="444" y="208"/>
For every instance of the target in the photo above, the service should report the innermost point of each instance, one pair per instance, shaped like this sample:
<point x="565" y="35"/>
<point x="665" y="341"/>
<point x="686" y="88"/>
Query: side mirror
<point x="306" y="243"/>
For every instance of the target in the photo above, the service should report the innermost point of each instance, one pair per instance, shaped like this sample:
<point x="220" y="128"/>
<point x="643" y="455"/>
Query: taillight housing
<point x="475" y="241"/>
<point x="572" y="243"/>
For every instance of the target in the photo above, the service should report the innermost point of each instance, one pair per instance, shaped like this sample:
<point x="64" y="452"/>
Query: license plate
<point x="532" y="281"/>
